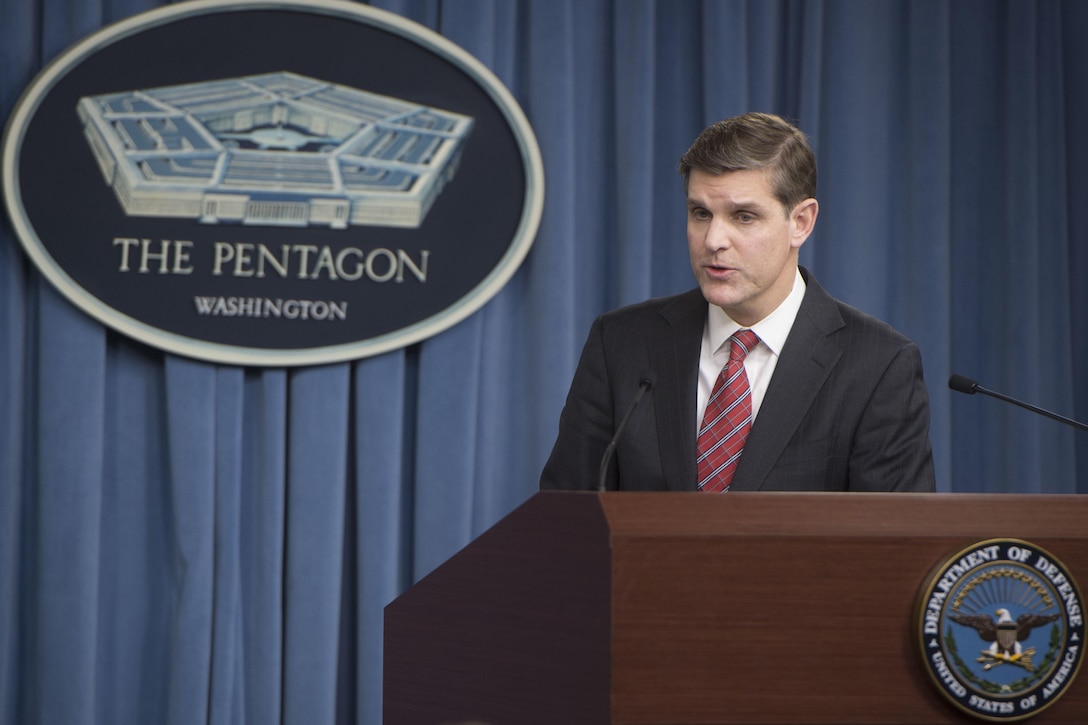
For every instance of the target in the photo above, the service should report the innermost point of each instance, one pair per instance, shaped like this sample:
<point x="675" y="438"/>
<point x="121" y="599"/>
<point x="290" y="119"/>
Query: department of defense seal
<point x="1001" y="628"/>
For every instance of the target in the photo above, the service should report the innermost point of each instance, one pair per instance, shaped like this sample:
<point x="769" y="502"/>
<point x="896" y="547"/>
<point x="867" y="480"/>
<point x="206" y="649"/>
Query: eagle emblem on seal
<point x="1006" y="636"/>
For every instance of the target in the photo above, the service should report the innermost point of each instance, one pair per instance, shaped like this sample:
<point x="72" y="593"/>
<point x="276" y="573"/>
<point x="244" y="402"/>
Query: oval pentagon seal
<point x="272" y="182"/>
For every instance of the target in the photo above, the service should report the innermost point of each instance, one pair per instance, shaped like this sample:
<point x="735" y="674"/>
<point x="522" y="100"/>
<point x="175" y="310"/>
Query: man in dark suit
<point x="828" y="399"/>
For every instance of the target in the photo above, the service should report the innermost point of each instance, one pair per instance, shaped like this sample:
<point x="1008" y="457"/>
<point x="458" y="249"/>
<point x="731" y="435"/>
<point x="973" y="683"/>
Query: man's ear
<point x="802" y="221"/>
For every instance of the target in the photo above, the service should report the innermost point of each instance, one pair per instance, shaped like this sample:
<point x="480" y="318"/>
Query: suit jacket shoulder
<point x="658" y="340"/>
<point x="847" y="408"/>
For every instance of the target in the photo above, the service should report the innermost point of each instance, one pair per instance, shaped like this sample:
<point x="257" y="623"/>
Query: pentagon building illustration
<point x="278" y="150"/>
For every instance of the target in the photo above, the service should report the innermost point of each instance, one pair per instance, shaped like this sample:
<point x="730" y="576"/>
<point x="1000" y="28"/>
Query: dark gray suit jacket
<point x="846" y="409"/>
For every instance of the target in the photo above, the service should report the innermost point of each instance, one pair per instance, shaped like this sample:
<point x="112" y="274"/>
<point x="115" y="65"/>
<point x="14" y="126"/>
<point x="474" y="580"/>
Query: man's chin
<point x="723" y="296"/>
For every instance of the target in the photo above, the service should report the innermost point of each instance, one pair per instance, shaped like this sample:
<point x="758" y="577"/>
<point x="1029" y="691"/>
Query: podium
<point x="694" y="608"/>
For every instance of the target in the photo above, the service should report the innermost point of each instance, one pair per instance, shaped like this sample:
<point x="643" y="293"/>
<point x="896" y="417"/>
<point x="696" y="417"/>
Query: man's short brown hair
<point x="757" y="141"/>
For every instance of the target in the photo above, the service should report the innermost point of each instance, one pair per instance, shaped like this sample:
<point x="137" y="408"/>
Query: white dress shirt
<point x="760" y="363"/>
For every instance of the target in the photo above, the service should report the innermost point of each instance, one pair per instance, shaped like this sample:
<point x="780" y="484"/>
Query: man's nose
<point x="718" y="235"/>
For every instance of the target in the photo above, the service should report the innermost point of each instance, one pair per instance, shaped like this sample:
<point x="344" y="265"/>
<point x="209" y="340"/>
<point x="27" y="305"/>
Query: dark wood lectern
<point x="695" y="608"/>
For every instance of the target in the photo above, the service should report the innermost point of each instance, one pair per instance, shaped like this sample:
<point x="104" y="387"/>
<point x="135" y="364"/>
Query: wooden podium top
<point x="846" y="514"/>
<point x="791" y="608"/>
<point x="677" y="608"/>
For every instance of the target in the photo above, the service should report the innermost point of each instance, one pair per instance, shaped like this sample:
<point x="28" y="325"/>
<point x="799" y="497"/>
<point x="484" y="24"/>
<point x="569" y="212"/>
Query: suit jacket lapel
<point x="676" y="364"/>
<point x="806" y="361"/>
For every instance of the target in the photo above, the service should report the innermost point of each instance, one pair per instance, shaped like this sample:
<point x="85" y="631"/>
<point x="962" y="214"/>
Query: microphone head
<point x="962" y="384"/>
<point x="647" y="379"/>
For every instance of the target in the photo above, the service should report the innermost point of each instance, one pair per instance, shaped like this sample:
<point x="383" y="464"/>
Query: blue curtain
<point x="182" y="542"/>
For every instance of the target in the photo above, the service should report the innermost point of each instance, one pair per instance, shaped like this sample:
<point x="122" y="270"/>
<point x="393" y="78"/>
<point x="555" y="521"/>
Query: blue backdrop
<point x="182" y="542"/>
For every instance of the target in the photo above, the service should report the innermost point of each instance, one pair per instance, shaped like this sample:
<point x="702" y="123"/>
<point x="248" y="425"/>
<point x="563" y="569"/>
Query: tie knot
<point x="743" y="342"/>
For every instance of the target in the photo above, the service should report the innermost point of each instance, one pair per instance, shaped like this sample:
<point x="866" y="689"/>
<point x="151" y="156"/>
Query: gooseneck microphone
<point x="645" y="383"/>
<point x="963" y="384"/>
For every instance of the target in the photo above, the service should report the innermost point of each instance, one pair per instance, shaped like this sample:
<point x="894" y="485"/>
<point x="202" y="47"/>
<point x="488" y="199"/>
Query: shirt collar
<point x="772" y="329"/>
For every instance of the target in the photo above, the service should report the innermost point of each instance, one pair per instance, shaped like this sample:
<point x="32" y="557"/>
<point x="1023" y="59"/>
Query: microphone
<point x="963" y="384"/>
<point x="644" y="384"/>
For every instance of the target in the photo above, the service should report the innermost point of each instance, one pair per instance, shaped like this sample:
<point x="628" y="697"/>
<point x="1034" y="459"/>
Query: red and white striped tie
<point x="727" y="419"/>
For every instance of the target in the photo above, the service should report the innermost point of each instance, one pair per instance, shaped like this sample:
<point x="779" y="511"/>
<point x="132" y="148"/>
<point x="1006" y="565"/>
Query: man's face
<point x="742" y="243"/>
